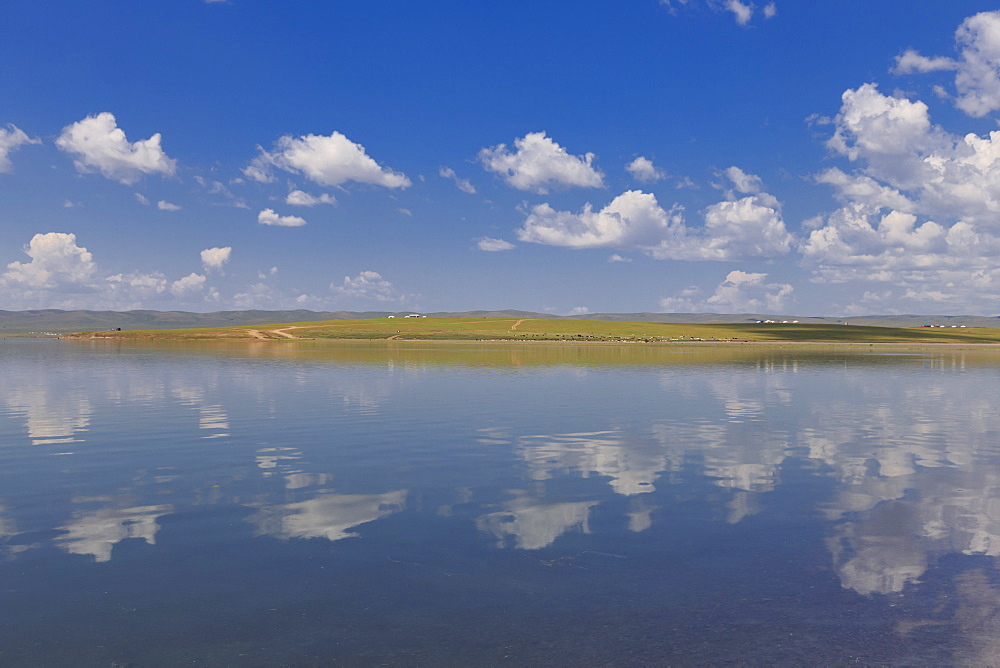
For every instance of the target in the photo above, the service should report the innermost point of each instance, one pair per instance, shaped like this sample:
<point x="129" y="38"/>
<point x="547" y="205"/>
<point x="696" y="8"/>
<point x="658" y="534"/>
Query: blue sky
<point x="817" y="158"/>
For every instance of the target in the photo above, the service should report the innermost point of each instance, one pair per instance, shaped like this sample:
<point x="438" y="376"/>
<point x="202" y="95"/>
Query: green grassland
<point x="538" y="329"/>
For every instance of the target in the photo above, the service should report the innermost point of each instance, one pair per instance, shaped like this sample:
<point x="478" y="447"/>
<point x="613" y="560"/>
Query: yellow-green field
<point x="495" y="329"/>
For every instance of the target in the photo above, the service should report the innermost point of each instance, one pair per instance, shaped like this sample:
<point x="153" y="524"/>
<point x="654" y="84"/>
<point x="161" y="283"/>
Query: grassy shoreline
<point x="504" y="330"/>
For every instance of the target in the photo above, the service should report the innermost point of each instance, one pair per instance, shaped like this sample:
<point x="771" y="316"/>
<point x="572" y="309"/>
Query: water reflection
<point x="329" y="516"/>
<point x="882" y="471"/>
<point x="52" y="414"/>
<point x="631" y="469"/>
<point x="211" y="417"/>
<point x="531" y="524"/>
<point x="96" y="532"/>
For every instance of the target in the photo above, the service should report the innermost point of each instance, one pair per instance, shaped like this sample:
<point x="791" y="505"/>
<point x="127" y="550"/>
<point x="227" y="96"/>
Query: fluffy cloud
<point x="494" y="245"/>
<point x="366" y="285"/>
<point x="462" y="184"/>
<point x="977" y="82"/>
<point x="633" y="219"/>
<point x="164" y="205"/>
<point x="865" y="242"/>
<point x="921" y="213"/>
<point x="642" y="169"/>
<point x="269" y="217"/>
<point x="538" y="163"/>
<point x="744" y="292"/>
<point x="299" y="198"/>
<point x="56" y="262"/>
<point x="97" y="143"/>
<point x="328" y="161"/>
<point x="891" y="135"/>
<point x="190" y="283"/>
<point x="740" y="292"/>
<point x="742" y="12"/>
<point x="132" y="288"/>
<point x="864" y="189"/>
<point x="750" y="227"/>
<point x="215" y="258"/>
<point x="12" y="138"/>
<point x="947" y="268"/>
<point x="747" y="184"/>
<point x="63" y="274"/>
<point x="897" y="146"/>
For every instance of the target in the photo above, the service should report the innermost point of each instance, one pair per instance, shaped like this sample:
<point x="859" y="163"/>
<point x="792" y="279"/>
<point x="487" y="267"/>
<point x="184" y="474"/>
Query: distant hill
<point x="872" y="320"/>
<point x="55" y="321"/>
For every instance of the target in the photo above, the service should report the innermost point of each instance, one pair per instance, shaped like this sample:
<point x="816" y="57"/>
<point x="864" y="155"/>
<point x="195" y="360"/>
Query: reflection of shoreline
<point x="478" y="354"/>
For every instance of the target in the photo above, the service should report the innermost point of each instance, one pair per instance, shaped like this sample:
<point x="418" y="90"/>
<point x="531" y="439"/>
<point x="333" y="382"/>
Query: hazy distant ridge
<point x="57" y="321"/>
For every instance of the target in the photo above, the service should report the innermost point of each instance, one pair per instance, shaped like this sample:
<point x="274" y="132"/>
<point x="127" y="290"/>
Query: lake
<point x="390" y="503"/>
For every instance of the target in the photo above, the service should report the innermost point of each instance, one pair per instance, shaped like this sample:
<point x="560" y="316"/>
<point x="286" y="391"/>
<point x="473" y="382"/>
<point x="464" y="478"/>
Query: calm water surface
<point x="456" y="504"/>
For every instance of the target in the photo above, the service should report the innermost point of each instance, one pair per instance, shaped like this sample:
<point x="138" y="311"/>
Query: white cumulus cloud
<point x="977" y="69"/>
<point x="300" y="198"/>
<point x="97" y="143"/>
<point x="12" y="138"/>
<point x="537" y="164"/>
<point x="914" y="260"/>
<point x="164" y="205"/>
<point x="750" y="227"/>
<point x="190" y="283"/>
<point x="895" y="145"/>
<point x="643" y="169"/>
<point x="744" y="183"/>
<point x="633" y="219"/>
<point x="740" y="292"/>
<point x="63" y="274"/>
<point x="745" y="292"/>
<point x="920" y="215"/>
<point x="134" y="287"/>
<point x="325" y="160"/>
<point x="865" y="242"/>
<point x="366" y="285"/>
<point x="741" y="12"/>
<point x="269" y="217"/>
<point x="56" y="261"/>
<point x="215" y="258"/>
<point x="921" y="212"/>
